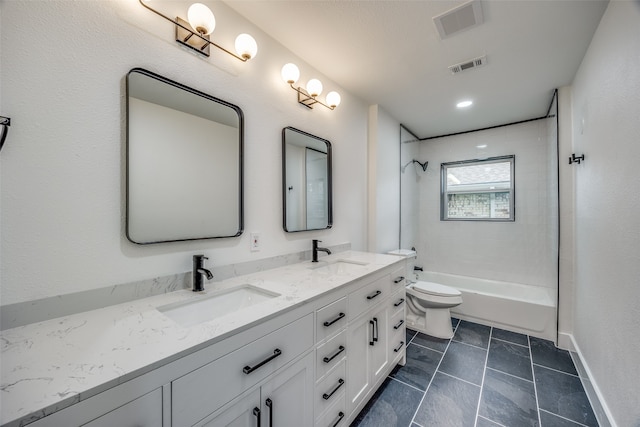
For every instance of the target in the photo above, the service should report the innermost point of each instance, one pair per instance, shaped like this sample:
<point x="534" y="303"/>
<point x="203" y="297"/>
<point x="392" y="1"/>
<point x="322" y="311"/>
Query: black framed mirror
<point x="184" y="162"/>
<point x="306" y="181"/>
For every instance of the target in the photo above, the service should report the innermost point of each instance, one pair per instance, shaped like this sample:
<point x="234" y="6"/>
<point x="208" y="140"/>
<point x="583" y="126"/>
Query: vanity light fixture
<point x="194" y="32"/>
<point x="308" y="96"/>
<point x="464" y="104"/>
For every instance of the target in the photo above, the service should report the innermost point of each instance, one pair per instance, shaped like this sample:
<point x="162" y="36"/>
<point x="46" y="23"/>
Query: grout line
<point x="511" y="342"/>
<point x="564" y="418"/>
<point x="511" y="375"/>
<point x="460" y="379"/>
<point x="556" y="370"/>
<point x="484" y="372"/>
<point x="471" y="345"/>
<point x="431" y="380"/>
<point x="535" y="386"/>
<point x="491" y="421"/>
<point x="428" y="348"/>
<point x="408" y="385"/>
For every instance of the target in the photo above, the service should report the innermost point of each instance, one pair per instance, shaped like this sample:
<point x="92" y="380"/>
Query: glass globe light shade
<point x="201" y="19"/>
<point x="333" y="99"/>
<point x="290" y="73"/>
<point x="314" y="87"/>
<point x="246" y="46"/>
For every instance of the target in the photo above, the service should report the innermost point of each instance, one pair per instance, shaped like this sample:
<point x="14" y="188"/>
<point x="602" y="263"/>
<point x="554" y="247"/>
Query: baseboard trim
<point x="598" y="403"/>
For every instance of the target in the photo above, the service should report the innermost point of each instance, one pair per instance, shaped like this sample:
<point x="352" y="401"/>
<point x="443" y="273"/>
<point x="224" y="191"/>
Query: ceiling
<point x="389" y="53"/>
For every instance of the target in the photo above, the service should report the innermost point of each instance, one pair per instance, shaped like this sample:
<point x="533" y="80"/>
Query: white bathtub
<point x="526" y="309"/>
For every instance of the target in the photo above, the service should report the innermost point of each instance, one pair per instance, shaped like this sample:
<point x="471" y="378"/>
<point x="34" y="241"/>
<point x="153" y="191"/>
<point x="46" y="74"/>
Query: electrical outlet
<point x="255" y="242"/>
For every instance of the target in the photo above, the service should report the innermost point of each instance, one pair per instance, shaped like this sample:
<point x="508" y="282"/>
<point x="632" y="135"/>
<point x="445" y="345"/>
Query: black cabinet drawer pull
<point x="397" y="349"/>
<point x="400" y="301"/>
<point x="328" y="359"/>
<point x="398" y="279"/>
<point x="248" y="369"/>
<point x="269" y="404"/>
<point x="400" y="323"/>
<point x="329" y="323"/>
<point x="340" y="417"/>
<point x="328" y="396"/>
<point x="372" y="333"/>
<point x="373" y="295"/>
<point x="256" y="412"/>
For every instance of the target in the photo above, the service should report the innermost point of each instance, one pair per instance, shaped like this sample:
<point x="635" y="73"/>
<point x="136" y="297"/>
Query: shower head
<point x="423" y="165"/>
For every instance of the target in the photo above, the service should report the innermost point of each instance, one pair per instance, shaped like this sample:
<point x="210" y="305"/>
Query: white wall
<point x="384" y="181"/>
<point x="410" y="176"/>
<point x="606" y="129"/>
<point x="520" y="251"/>
<point x="62" y="166"/>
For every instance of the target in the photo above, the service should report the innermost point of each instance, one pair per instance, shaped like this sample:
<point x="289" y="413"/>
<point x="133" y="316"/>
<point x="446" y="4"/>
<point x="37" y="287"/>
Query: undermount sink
<point x="199" y="310"/>
<point x="338" y="266"/>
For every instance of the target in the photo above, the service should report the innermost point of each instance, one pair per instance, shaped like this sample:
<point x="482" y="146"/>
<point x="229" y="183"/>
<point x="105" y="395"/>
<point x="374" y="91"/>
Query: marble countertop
<point x="50" y="365"/>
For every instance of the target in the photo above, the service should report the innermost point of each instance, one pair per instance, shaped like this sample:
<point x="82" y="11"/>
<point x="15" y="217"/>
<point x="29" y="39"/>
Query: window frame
<point x="444" y="193"/>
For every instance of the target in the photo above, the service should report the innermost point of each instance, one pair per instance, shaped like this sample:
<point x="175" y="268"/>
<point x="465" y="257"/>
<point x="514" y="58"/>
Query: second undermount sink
<point x="338" y="266"/>
<point x="199" y="310"/>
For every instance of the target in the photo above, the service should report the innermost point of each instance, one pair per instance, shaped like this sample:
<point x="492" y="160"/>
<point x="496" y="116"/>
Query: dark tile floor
<point x="482" y="377"/>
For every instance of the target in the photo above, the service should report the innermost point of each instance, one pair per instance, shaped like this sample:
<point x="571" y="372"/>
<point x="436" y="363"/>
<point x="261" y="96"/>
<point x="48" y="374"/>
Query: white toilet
<point x="428" y="303"/>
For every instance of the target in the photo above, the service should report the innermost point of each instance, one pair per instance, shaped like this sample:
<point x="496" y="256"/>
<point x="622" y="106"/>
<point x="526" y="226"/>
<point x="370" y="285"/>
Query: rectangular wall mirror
<point x="184" y="162"/>
<point x="306" y="178"/>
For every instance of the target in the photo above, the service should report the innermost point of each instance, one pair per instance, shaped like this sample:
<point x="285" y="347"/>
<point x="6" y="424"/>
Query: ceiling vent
<point x="463" y="17"/>
<point x="467" y="65"/>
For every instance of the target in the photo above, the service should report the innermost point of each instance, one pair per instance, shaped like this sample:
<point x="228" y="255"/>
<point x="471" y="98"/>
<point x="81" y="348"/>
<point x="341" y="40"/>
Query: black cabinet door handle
<point x="256" y="412"/>
<point x="371" y="341"/>
<point x="269" y="404"/>
<point x="398" y="279"/>
<point x="331" y="322"/>
<point x="328" y="396"/>
<point x="373" y="295"/>
<point x="248" y="369"/>
<point x="340" y="417"/>
<point x="375" y="337"/>
<point x="400" y="323"/>
<point x="328" y="359"/>
<point x="400" y="301"/>
<point x="397" y="349"/>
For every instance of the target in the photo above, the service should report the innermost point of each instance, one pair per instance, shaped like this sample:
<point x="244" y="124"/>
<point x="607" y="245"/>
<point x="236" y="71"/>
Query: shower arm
<point x="423" y="165"/>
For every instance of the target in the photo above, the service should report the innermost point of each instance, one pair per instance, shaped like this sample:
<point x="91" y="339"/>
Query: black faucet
<point x="316" y="249"/>
<point x="198" y="271"/>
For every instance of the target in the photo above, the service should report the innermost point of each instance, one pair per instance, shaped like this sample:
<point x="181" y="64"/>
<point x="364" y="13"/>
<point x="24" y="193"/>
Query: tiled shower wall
<point x="524" y="251"/>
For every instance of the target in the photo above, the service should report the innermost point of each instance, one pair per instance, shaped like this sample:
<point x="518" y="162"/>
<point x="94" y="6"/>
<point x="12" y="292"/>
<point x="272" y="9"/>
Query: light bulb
<point x="314" y="87"/>
<point x="464" y="104"/>
<point x="201" y="19"/>
<point x="246" y="46"/>
<point x="333" y="99"/>
<point x="290" y="73"/>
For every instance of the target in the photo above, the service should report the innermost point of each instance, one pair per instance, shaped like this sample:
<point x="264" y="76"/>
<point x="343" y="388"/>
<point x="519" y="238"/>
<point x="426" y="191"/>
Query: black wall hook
<point x="576" y="159"/>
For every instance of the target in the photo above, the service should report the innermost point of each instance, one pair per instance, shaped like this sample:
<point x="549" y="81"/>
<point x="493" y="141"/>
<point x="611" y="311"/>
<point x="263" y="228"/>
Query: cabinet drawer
<point x="144" y="411"/>
<point x="330" y="354"/>
<point x="331" y="389"/>
<point x="397" y="335"/>
<point x="398" y="279"/>
<point x="335" y="416"/>
<point x="331" y="318"/>
<point x="397" y="302"/>
<point x="206" y="389"/>
<point x="368" y="296"/>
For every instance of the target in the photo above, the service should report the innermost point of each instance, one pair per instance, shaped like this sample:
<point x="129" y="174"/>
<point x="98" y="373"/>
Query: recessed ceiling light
<point x="464" y="104"/>
<point x="481" y="146"/>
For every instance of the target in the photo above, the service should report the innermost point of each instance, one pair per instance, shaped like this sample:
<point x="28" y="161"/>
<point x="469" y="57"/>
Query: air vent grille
<point x="467" y="65"/>
<point x="463" y="17"/>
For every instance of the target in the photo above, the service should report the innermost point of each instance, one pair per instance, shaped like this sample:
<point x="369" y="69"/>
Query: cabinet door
<point x="379" y="353"/>
<point x="287" y="399"/>
<point x="245" y="412"/>
<point x="359" y="335"/>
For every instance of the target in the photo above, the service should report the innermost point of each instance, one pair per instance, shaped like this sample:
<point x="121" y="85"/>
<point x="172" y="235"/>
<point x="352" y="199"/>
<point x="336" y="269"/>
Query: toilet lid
<point x="436" y="289"/>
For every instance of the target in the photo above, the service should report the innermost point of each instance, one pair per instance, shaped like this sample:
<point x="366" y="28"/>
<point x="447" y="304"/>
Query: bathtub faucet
<point x="316" y="249"/>
<point x="198" y="271"/>
<point x="416" y="268"/>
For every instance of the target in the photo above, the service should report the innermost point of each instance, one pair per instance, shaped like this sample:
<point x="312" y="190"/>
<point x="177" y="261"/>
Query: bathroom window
<point x="478" y="190"/>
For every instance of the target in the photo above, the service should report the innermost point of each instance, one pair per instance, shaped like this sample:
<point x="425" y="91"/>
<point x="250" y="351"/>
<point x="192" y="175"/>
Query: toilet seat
<point x="436" y="289"/>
